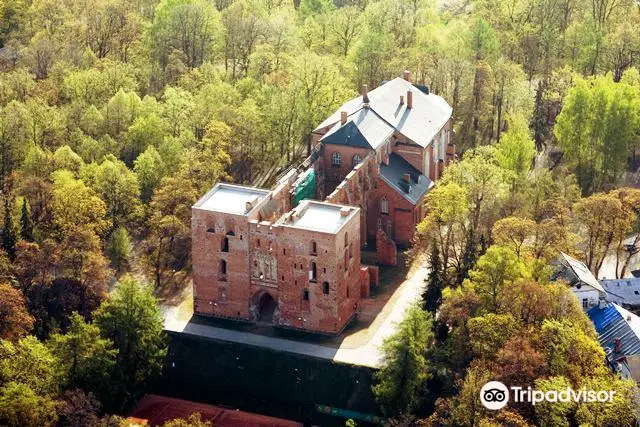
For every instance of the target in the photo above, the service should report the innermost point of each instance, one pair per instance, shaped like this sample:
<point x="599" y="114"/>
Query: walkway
<point x="366" y="354"/>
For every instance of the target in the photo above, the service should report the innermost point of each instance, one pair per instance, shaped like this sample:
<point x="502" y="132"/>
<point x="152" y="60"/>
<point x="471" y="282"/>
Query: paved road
<point x="369" y="354"/>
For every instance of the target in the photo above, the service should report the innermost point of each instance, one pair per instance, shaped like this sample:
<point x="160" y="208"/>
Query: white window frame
<point x="384" y="205"/>
<point x="336" y="159"/>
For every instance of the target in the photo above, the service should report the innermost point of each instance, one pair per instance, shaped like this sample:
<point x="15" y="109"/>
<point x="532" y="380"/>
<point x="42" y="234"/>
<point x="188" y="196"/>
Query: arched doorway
<point x="266" y="308"/>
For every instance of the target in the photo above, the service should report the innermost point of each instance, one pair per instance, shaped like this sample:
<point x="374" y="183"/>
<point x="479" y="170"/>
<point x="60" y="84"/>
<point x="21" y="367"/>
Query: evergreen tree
<point x="435" y="282"/>
<point x="401" y="379"/>
<point x="131" y="319"/>
<point x="9" y="237"/>
<point x="26" y="225"/>
<point x="469" y="258"/>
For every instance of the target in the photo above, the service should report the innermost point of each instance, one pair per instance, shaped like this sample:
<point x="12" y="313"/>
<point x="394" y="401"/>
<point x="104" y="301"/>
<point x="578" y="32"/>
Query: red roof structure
<point x="156" y="410"/>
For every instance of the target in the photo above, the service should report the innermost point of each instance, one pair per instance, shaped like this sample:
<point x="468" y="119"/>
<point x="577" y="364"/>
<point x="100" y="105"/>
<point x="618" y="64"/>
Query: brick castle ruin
<point x="290" y="256"/>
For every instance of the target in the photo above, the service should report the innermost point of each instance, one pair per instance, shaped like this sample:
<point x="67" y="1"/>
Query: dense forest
<point x="116" y="115"/>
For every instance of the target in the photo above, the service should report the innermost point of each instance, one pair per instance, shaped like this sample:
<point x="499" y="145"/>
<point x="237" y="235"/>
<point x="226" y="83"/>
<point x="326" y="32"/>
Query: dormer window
<point x="336" y="159"/>
<point x="355" y="160"/>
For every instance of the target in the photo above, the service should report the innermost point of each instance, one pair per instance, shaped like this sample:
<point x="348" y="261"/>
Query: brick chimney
<point x="343" y="117"/>
<point x="365" y="93"/>
<point x="409" y="99"/>
<point x="401" y="99"/>
<point x="406" y="75"/>
<point x="345" y="211"/>
<point x="407" y="178"/>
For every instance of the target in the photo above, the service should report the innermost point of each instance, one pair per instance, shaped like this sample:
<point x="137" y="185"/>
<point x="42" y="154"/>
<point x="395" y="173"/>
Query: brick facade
<point x="262" y="262"/>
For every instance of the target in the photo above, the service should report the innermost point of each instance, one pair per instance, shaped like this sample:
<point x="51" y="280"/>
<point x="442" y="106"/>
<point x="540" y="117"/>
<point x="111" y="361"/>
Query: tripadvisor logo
<point x="494" y="395"/>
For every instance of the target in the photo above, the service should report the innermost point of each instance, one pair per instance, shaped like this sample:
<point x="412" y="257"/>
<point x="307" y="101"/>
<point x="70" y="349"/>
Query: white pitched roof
<point x="583" y="273"/>
<point x="420" y="123"/>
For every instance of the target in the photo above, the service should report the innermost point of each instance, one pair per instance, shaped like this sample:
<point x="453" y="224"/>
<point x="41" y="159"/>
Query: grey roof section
<point x="231" y="199"/>
<point x="393" y="174"/>
<point x="623" y="291"/>
<point x="576" y="272"/>
<point x="612" y="323"/>
<point x="420" y="124"/>
<point x="318" y="216"/>
<point x="364" y="129"/>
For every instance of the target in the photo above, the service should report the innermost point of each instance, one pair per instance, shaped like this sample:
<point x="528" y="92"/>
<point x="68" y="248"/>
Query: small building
<point x="624" y="292"/>
<point x="582" y="281"/>
<point x="619" y="335"/>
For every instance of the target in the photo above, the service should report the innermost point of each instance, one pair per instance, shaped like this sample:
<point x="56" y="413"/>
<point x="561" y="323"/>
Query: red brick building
<point x="258" y="257"/>
<point x="408" y="131"/>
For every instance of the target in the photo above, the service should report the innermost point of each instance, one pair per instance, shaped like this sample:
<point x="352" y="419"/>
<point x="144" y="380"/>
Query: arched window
<point x="313" y="250"/>
<point x="384" y="205"/>
<point x="225" y="244"/>
<point x="305" y="294"/>
<point x="336" y="159"/>
<point x="356" y="159"/>
<point x="325" y="288"/>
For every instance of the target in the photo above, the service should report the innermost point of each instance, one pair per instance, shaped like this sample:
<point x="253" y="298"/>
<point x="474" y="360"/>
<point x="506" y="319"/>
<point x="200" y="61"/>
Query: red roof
<point x="159" y="409"/>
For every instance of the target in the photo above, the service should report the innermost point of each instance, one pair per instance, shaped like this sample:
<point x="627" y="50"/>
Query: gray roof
<point x="231" y="199"/>
<point x="318" y="216"/>
<point x="364" y="129"/>
<point x="576" y="272"/>
<point x="612" y="323"/>
<point x="623" y="291"/>
<point x="393" y="174"/>
<point x="420" y="124"/>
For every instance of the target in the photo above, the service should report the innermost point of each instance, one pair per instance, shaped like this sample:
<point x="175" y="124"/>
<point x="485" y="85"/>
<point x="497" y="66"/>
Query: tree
<point x="76" y="206"/>
<point x="9" y="234"/>
<point x="85" y="360"/>
<point x="496" y="270"/>
<point x="28" y="362"/>
<point x="516" y="150"/>
<point x="400" y="381"/>
<point x="602" y="222"/>
<point x="150" y="169"/>
<point x="194" y="420"/>
<point x="26" y="224"/>
<point x="131" y="319"/>
<point x="435" y="282"/>
<point x="22" y="406"/>
<point x="570" y="352"/>
<point x="595" y="129"/>
<point x="513" y="232"/>
<point x="15" y="320"/>
<point x="120" y="247"/>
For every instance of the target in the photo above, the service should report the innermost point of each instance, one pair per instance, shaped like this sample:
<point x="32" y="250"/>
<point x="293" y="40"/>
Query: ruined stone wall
<point x="357" y="190"/>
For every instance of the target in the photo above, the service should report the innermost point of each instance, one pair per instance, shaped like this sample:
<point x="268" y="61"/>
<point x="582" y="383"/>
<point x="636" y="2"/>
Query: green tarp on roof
<point x="305" y="187"/>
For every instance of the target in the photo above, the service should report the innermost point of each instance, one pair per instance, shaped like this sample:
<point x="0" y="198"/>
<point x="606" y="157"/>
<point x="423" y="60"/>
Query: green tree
<point x="131" y="319"/>
<point x="498" y="268"/>
<point x="84" y="359"/>
<point x="120" y="247"/>
<point x="22" y="406"/>
<point x="435" y="282"/>
<point x="400" y="381"/>
<point x="150" y="169"/>
<point x="26" y="224"/>
<point x="9" y="232"/>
